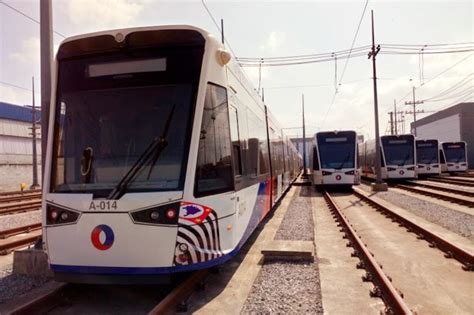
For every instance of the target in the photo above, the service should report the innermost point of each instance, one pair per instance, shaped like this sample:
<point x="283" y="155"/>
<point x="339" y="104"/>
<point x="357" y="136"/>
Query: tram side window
<point x="235" y="137"/>
<point x="214" y="164"/>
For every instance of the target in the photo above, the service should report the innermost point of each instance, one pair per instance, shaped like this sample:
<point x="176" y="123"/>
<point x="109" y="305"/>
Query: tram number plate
<point x="103" y="205"/>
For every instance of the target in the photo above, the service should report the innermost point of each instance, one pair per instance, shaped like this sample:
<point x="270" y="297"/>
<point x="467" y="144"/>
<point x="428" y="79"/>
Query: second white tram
<point x="427" y="157"/>
<point x="334" y="159"/>
<point x="398" y="157"/>
<point x="454" y="156"/>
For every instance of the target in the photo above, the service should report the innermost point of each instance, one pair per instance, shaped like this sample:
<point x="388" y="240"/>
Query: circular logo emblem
<point x="338" y="177"/>
<point x="402" y="172"/>
<point x="102" y="237"/>
<point x="428" y="168"/>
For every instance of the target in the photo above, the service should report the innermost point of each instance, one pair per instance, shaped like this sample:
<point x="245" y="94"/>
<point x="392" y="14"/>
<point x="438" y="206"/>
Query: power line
<point x="452" y="88"/>
<point x="345" y="65"/>
<point x="18" y="87"/>
<point x="436" y="76"/>
<point x="27" y="16"/>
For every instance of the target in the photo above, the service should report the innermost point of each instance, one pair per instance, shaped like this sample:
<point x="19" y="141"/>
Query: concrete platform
<point x="31" y="262"/>
<point x="288" y="250"/>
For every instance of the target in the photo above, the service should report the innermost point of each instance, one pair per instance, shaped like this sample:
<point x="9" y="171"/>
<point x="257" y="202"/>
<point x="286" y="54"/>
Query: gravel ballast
<point x="455" y="221"/>
<point x="289" y="287"/>
<point x="11" y="221"/>
<point x="12" y="285"/>
<point x="297" y="225"/>
<point x="285" y="287"/>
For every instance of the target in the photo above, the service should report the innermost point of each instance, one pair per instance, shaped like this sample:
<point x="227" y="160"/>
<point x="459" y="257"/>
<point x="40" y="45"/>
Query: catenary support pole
<point x="34" y="185"/>
<point x="46" y="49"/>
<point x="379" y="185"/>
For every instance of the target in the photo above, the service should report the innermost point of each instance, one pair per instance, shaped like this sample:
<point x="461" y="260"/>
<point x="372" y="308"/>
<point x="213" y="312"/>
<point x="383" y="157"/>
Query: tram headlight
<point x="154" y="215"/>
<point x="167" y="214"/>
<point x="411" y="168"/>
<point x="56" y="215"/>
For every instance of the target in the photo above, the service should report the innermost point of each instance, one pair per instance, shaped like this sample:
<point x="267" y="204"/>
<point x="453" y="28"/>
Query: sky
<point x="275" y="29"/>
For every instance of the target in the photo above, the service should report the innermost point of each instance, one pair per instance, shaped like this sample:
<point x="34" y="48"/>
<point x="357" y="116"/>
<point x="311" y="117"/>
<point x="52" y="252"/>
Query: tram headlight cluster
<point x="167" y="214"/>
<point x="55" y="215"/>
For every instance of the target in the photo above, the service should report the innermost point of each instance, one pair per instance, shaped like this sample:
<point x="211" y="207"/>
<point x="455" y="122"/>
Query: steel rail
<point x="450" y="249"/>
<point x="20" y="207"/>
<point x="452" y="181"/>
<point x="44" y="302"/>
<point x="21" y="197"/>
<point x="461" y="200"/>
<point x="8" y="245"/>
<point x="19" y="230"/>
<point x="383" y="285"/>
<point x="18" y="192"/>
<point x="179" y="294"/>
<point x="443" y="188"/>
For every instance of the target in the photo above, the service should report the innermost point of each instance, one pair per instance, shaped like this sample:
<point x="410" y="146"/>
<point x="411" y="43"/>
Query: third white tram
<point x="454" y="156"/>
<point x="334" y="159"/>
<point x="427" y="157"/>
<point x="398" y="157"/>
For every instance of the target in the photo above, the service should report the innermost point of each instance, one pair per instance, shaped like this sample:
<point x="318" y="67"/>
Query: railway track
<point x="415" y="268"/>
<point x="451" y="250"/>
<point x="26" y="206"/>
<point x="383" y="286"/>
<point x="449" y="180"/>
<point x="19" y="237"/>
<point x="63" y="293"/>
<point x="16" y="197"/>
<point x="443" y="195"/>
<point x="426" y="184"/>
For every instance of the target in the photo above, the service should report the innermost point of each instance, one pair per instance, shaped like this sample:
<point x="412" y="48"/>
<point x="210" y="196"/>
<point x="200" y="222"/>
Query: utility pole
<point x="391" y="123"/>
<point x="46" y="48"/>
<point x="395" y="113"/>
<point x="34" y="185"/>
<point x="222" y="32"/>
<point x="379" y="185"/>
<point x="414" y="103"/>
<point x="304" y="140"/>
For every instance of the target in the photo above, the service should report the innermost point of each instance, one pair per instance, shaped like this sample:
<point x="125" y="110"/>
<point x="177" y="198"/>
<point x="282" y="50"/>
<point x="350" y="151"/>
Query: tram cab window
<point x="214" y="164"/>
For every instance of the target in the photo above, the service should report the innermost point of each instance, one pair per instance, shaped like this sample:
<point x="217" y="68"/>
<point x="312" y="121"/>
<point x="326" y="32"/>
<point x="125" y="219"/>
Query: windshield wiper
<point x="405" y="160"/>
<point x="343" y="162"/>
<point x="151" y="153"/>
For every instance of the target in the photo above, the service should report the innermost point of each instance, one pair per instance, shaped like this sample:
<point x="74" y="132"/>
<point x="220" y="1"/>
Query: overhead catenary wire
<point x="28" y="17"/>
<point x="452" y="88"/>
<point x="345" y="65"/>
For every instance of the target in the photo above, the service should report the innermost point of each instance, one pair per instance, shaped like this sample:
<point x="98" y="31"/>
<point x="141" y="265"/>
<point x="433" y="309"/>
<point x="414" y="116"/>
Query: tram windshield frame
<point x="336" y="151"/>
<point x="455" y="152"/>
<point x="399" y="151"/>
<point x="427" y="152"/>
<point x="104" y="123"/>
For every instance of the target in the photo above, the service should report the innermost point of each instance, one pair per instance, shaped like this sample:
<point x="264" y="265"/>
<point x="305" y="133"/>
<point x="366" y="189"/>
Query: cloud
<point x="29" y="52"/>
<point x="14" y="96"/>
<point x="91" y="15"/>
<point x="274" y="41"/>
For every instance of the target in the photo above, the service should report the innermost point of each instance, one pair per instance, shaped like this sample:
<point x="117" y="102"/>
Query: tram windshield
<point x="398" y="150"/>
<point x="427" y="152"/>
<point x="118" y="113"/>
<point x="336" y="151"/>
<point x="455" y="152"/>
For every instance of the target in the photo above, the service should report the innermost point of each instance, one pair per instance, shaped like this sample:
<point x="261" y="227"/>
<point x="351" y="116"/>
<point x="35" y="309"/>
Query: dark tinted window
<point x="398" y="150"/>
<point x="454" y="152"/>
<point x="336" y="150"/>
<point x="214" y="165"/>
<point x="106" y="120"/>
<point x="426" y="152"/>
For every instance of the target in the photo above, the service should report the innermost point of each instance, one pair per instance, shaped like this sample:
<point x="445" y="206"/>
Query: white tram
<point x="334" y="159"/>
<point x="161" y="157"/>
<point x="427" y="157"/>
<point x="453" y="156"/>
<point x="398" y="157"/>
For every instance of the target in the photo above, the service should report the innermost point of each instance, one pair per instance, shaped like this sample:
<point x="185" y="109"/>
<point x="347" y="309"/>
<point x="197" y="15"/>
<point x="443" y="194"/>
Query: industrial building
<point x="451" y="124"/>
<point x="16" y="146"/>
